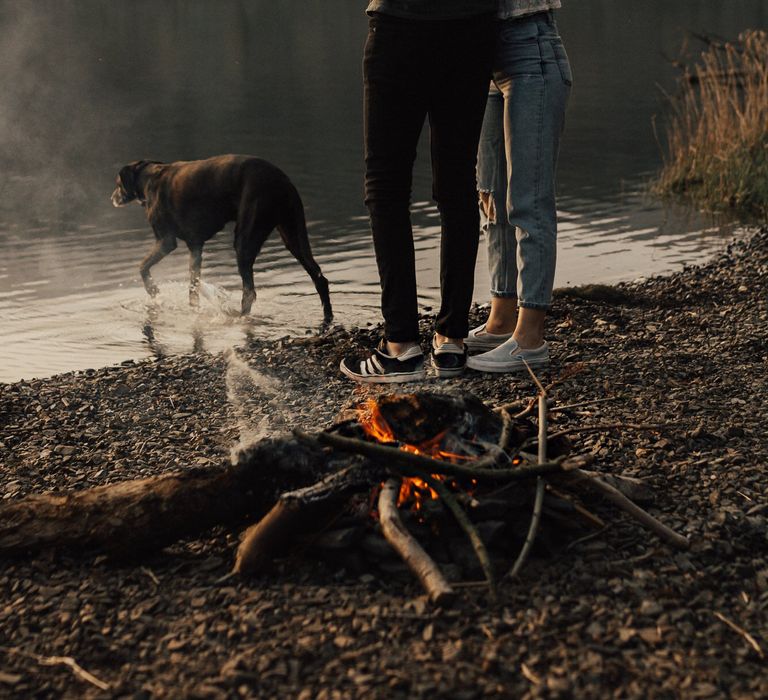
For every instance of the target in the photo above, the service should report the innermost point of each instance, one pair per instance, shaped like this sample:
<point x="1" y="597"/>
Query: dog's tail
<point x="293" y="231"/>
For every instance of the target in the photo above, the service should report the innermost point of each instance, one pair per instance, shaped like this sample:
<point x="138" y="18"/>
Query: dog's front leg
<point x="162" y="247"/>
<point x="195" y="263"/>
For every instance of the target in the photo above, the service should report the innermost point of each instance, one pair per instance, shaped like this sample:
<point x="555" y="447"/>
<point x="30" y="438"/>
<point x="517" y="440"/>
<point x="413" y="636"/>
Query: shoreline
<point x="621" y="611"/>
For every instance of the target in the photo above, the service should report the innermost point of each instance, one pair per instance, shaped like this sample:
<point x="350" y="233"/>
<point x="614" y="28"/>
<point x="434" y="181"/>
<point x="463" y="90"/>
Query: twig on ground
<point x="151" y="574"/>
<point x="612" y="426"/>
<point x="740" y="630"/>
<point x="587" y="538"/>
<point x="412" y="553"/>
<point x="538" y="502"/>
<point x="68" y="661"/>
<point x="581" y="404"/>
<point x="542" y="390"/>
<point x="515" y="406"/>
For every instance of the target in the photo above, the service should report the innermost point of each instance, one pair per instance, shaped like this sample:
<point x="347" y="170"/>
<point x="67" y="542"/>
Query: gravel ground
<point x="621" y="615"/>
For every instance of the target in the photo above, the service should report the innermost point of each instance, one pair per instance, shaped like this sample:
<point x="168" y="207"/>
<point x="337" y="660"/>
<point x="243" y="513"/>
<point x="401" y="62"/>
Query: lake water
<point x="89" y="85"/>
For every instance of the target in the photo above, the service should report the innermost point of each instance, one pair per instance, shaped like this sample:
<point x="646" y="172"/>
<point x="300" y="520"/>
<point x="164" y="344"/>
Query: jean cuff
<point x="503" y="295"/>
<point x="533" y="305"/>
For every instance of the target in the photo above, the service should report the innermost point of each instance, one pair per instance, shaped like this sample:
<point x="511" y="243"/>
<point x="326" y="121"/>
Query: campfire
<point x="462" y="490"/>
<point x="456" y="491"/>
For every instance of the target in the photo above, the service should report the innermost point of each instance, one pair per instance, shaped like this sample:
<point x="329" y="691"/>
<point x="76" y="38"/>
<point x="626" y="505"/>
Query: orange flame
<point x="412" y="488"/>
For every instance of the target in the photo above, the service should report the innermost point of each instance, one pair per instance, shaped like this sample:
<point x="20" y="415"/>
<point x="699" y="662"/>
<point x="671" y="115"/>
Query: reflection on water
<point x="88" y="86"/>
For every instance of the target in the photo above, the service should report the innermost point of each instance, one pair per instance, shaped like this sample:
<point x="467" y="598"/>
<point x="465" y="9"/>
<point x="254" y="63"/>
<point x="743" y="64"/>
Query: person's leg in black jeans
<point x="414" y="69"/>
<point x="395" y="110"/>
<point x="457" y="97"/>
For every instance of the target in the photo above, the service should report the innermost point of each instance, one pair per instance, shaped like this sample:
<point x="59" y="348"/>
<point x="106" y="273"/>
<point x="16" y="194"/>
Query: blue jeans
<point x="517" y="158"/>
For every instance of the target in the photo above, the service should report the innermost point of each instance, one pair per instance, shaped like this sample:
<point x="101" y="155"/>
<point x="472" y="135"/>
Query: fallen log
<point x="130" y="517"/>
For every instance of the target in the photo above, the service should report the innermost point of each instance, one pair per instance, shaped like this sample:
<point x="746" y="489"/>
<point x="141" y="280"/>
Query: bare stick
<point x="68" y="661"/>
<point x="542" y="390"/>
<point x="538" y="502"/>
<point x="643" y="517"/>
<point x="740" y="630"/>
<point x="587" y="538"/>
<point x="150" y="574"/>
<point x="469" y="529"/>
<point x="418" y="561"/>
<point x="515" y="406"/>
<point x="419" y="463"/>
<point x="506" y="430"/>
<point x="582" y="404"/>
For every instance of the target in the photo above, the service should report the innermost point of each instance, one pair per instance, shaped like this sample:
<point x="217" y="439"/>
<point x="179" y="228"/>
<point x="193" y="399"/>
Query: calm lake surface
<point x="88" y="86"/>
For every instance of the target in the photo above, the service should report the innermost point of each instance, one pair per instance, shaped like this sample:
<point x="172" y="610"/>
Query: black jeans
<point x="414" y="69"/>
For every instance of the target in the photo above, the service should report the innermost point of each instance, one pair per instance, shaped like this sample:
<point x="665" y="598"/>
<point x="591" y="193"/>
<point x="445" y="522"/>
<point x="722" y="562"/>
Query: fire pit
<point x="455" y="488"/>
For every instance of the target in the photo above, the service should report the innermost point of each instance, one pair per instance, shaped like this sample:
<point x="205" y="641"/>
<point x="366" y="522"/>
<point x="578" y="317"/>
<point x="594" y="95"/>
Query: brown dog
<point x="193" y="200"/>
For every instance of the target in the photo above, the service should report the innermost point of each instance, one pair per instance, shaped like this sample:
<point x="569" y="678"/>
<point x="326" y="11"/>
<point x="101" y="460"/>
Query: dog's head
<point x="128" y="187"/>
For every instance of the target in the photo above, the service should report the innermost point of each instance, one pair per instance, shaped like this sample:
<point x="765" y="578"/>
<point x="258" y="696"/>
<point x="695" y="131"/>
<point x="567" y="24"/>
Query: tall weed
<point x="717" y="136"/>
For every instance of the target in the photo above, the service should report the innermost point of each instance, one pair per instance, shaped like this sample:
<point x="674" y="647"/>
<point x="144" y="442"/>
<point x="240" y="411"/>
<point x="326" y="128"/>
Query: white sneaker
<point x="480" y="340"/>
<point x="508" y="357"/>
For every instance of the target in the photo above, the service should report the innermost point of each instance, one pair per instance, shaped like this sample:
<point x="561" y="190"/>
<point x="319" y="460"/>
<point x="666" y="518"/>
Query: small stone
<point x="650" y="608"/>
<point x="10" y="678"/>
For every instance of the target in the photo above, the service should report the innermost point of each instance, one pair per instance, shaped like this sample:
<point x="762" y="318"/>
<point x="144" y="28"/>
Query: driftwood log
<point x="131" y="517"/>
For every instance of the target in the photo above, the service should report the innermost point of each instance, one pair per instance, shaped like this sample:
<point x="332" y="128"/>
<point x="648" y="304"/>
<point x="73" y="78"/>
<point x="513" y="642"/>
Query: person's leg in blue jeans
<point x="517" y="194"/>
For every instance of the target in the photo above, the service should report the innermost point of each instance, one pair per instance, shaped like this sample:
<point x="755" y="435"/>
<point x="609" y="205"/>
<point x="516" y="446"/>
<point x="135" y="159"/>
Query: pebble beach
<point x="620" y="615"/>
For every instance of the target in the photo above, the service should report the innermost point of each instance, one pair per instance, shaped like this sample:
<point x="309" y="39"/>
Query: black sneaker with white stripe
<point x="382" y="368"/>
<point x="448" y="359"/>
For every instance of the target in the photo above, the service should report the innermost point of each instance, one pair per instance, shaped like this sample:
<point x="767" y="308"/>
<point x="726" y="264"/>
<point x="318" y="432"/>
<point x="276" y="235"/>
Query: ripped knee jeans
<point x="517" y="158"/>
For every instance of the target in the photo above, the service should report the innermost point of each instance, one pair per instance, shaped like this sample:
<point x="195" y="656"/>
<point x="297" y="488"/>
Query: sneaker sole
<point x="500" y="368"/>
<point x="400" y="378"/>
<point x="447" y="373"/>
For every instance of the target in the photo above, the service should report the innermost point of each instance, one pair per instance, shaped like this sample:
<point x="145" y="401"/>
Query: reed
<point x="717" y="135"/>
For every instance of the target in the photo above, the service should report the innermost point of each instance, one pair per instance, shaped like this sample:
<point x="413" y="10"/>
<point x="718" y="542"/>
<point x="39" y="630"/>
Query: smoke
<point x="256" y="400"/>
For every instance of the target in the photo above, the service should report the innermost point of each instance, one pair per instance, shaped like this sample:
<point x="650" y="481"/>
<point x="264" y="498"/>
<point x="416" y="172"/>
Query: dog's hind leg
<point x="195" y="263"/>
<point x="248" y="242"/>
<point x="293" y="231"/>
<point x="162" y="247"/>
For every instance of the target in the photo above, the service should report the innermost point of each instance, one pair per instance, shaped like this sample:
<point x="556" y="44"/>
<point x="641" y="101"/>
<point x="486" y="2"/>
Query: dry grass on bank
<point x="717" y="151"/>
